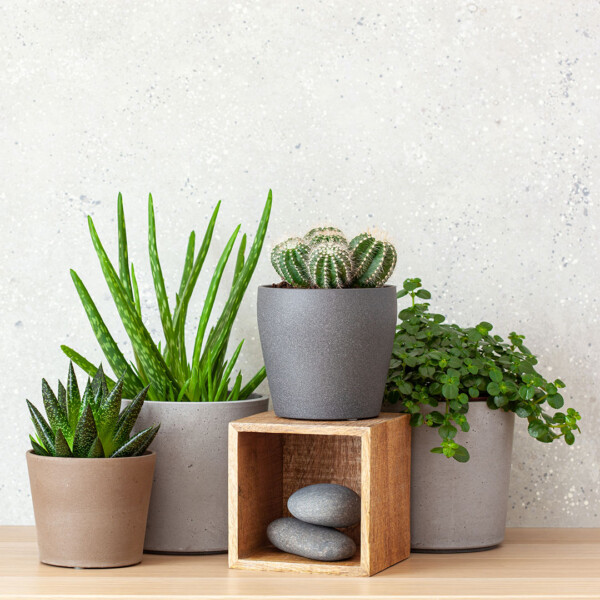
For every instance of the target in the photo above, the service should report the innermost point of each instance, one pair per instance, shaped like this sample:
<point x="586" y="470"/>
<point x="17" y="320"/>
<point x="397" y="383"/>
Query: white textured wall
<point x="468" y="130"/>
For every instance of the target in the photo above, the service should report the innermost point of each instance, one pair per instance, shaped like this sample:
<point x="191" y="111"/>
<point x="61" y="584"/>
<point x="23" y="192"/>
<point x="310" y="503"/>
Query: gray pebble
<point x="311" y="541"/>
<point x="326" y="504"/>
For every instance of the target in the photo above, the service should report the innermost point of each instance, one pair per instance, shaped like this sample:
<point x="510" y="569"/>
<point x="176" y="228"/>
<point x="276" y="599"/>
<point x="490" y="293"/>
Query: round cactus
<point x="374" y="260"/>
<point x="330" y="265"/>
<point x="290" y="260"/>
<point x="318" y="235"/>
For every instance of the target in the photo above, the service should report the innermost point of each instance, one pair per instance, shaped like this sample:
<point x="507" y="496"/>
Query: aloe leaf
<point x="123" y="253"/>
<point x="136" y="292"/>
<point x="234" y="394"/>
<point x="253" y="383"/>
<point x="218" y="338"/>
<point x="61" y="446"/>
<point x="84" y="364"/>
<point x="211" y="295"/>
<point x="85" y="433"/>
<point x="56" y="416"/>
<point x="127" y="419"/>
<point x="239" y="263"/>
<point x="108" y="411"/>
<point x="181" y="397"/>
<point x="137" y="444"/>
<point x="114" y="356"/>
<point x="152" y="362"/>
<point x="189" y="262"/>
<point x="62" y="397"/>
<point x="43" y="430"/>
<point x="96" y="451"/>
<point x="37" y="448"/>
<point x="184" y="296"/>
<point x="224" y="377"/>
<point x="159" y="282"/>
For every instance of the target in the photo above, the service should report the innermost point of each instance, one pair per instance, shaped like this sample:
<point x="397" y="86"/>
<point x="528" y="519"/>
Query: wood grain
<point x="540" y="564"/>
<point x="271" y="458"/>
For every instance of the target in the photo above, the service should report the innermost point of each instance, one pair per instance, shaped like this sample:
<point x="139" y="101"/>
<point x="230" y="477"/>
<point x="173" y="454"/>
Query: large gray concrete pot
<point x="327" y="352"/>
<point x="460" y="507"/>
<point x="188" y="507"/>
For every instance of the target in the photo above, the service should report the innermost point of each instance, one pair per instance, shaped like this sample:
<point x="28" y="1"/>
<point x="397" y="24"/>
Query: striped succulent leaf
<point x="100" y="430"/>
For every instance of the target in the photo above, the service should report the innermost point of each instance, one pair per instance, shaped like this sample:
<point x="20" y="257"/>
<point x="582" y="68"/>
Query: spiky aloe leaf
<point x="109" y="347"/>
<point x="85" y="433"/>
<point x="61" y="446"/>
<point x="107" y="412"/>
<point x="56" y="417"/>
<point x="124" y="274"/>
<point x="239" y="262"/>
<point x="150" y="358"/>
<point x="99" y="383"/>
<point x="138" y="444"/>
<point x="84" y="364"/>
<point x="127" y="419"/>
<point x="37" y="449"/>
<point x="43" y="430"/>
<point x="96" y="451"/>
<point x="220" y="334"/>
<point x="62" y="397"/>
<point x="253" y="384"/>
<point x="159" y="283"/>
<point x="330" y="265"/>
<point x="73" y="399"/>
<point x="188" y="263"/>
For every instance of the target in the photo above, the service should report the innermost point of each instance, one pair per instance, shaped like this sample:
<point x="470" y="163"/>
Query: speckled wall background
<point x="468" y="130"/>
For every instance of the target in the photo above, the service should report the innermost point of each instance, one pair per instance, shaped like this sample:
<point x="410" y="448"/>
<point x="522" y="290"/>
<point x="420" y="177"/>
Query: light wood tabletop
<point x="532" y="563"/>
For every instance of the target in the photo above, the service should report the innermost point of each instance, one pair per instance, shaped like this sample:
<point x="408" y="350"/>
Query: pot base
<point x="453" y="550"/>
<point x="78" y="568"/>
<point x="184" y="553"/>
<point x="326" y="418"/>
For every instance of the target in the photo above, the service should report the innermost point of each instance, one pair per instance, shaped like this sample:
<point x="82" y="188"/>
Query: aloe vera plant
<point x="88" y="425"/>
<point x="172" y="374"/>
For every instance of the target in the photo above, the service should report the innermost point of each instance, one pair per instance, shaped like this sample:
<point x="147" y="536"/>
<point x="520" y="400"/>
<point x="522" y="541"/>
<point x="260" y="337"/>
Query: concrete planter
<point x="327" y="352"/>
<point x="188" y="510"/>
<point x="459" y="507"/>
<point x="90" y="512"/>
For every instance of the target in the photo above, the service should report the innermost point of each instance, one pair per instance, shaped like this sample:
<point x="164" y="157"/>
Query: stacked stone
<point x="312" y="532"/>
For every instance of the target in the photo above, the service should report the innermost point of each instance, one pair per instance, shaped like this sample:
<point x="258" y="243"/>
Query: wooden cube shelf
<point x="270" y="458"/>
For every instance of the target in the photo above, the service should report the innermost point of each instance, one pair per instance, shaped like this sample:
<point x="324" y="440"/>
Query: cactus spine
<point x="330" y="265"/>
<point x="374" y="260"/>
<point x="290" y="260"/>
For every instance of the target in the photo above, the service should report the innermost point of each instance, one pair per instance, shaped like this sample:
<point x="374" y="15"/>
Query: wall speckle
<point x="467" y="130"/>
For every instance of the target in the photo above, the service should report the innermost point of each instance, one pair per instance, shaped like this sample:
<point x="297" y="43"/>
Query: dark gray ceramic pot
<point x="327" y="352"/>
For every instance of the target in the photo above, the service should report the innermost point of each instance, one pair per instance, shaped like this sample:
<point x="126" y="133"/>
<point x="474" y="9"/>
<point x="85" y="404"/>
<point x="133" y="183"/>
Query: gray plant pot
<point x="188" y="506"/>
<point x="327" y="352"/>
<point x="459" y="507"/>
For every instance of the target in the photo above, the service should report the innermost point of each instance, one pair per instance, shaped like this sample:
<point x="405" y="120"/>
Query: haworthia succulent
<point x="100" y="430"/>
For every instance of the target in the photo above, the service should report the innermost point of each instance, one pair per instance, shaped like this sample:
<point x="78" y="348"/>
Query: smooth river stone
<point x="326" y="504"/>
<point x="311" y="541"/>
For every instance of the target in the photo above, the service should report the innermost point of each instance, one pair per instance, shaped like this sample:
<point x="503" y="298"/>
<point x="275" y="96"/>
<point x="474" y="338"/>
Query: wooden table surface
<point x="532" y="563"/>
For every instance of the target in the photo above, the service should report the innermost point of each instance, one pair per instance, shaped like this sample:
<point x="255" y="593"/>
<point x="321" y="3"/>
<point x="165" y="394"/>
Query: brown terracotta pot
<point x="91" y="512"/>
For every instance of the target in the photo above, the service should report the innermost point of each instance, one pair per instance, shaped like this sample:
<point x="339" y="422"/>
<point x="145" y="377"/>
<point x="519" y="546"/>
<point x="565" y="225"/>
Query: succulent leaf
<point x="73" y="399"/>
<point x="96" y="451"/>
<point x="138" y="444"/>
<point x="330" y="265"/>
<point x="56" y="417"/>
<point x="107" y="411"/>
<point x="127" y="419"/>
<point x="62" y="397"/>
<point x="37" y="448"/>
<point x="61" y="446"/>
<point x="43" y="430"/>
<point x="85" y="433"/>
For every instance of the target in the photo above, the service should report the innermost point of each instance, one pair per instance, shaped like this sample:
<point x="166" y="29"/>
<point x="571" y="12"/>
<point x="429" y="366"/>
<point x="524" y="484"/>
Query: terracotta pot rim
<point x="149" y="454"/>
<point x="258" y="398"/>
<point x="269" y="286"/>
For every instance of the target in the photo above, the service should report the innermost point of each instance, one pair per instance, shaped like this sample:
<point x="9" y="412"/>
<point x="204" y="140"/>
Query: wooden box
<point x="270" y="458"/>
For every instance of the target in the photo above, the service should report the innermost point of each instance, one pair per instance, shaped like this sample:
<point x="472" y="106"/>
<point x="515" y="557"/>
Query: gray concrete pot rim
<point x="253" y="398"/>
<point x="327" y="290"/>
<point x="96" y="461"/>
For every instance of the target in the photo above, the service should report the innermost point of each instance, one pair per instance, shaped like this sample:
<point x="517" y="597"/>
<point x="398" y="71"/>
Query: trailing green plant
<point x="324" y="258"/>
<point x="88" y="425"/>
<point x="172" y="374"/>
<point x="437" y="364"/>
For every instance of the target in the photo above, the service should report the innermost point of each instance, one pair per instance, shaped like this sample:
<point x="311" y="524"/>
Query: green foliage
<point x="88" y="425"/>
<point x="166" y="368"/>
<point x="323" y="258"/>
<point x="435" y="363"/>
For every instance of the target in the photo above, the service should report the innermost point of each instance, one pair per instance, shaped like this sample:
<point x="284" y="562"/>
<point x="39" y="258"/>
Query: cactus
<point x="319" y="235"/>
<point x="330" y="265"/>
<point x="374" y="260"/>
<point x="290" y="260"/>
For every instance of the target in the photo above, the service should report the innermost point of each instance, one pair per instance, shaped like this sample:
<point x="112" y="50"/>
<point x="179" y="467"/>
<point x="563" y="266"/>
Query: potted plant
<point x="463" y="387"/>
<point x="327" y="329"/>
<point x="90" y="481"/>
<point x="193" y="392"/>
